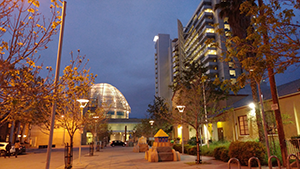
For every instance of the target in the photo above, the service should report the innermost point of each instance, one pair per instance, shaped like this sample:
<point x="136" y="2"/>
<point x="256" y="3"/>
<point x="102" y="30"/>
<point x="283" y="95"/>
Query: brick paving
<point x="124" y="157"/>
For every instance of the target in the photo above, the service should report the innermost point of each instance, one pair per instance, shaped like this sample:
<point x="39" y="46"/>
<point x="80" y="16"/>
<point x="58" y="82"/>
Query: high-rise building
<point x="192" y="47"/>
<point x="176" y="64"/>
<point x="163" y="67"/>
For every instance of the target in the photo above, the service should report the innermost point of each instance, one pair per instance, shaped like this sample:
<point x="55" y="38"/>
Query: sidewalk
<point x="124" y="157"/>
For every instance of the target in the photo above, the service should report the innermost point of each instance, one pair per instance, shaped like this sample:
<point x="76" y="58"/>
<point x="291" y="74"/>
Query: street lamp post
<point x="181" y="109"/>
<point x="95" y="135"/>
<point x="151" y="123"/>
<point x="63" y="142"/>
<point x="133" y="135"/>
<point x="83" y="103"/>
<point x="52" y="119"/>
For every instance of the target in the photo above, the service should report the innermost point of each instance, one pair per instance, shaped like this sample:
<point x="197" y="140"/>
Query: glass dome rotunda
<point x="109" y="96"/>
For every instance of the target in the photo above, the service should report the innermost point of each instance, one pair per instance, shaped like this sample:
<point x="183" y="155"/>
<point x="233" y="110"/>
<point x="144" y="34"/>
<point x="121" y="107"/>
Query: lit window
<point x="226" y="19"/>
<point x="208" y="10"/>
<point x="227" y="34"/>
<point x="210" y="30"/>
<point x="243" y="124"/>
<point x="232" y="72"/>
<point x="226" y="26"/>
<point x="231" y="65"/>
<point x="195" y="17"/>
<point x="211" y="52"/>
<point x="233" y="80"/>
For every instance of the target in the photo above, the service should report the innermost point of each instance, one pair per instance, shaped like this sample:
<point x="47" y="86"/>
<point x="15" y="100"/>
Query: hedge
<point x="217" y="152"/>
<point x="245" y="150"/>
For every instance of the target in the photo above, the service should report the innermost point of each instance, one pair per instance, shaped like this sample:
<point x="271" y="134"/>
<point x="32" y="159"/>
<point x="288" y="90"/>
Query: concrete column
<point x="206" y="134"/>
<point x="125" y="133"/>
<point x="186" y="135"/>
<point x="215" y="132"/>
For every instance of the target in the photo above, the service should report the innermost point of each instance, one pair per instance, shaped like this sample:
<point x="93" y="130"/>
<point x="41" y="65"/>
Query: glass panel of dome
<point x="111" y="112"/>
<point x="111" y="96"/>
<point x="120" y="113"/>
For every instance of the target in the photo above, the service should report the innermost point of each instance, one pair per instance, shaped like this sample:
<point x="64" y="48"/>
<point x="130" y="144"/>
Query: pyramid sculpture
<point x="161" y="149"/>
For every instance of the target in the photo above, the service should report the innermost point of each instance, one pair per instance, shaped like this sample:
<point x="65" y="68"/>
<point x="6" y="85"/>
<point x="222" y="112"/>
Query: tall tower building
<point x="163" y="67"/>
<point x="192" y="45"/>
<point x="176" y="66"/>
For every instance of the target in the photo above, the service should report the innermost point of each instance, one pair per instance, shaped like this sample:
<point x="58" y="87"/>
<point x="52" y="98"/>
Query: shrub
<point x="207" y="151"/>
<point x="217" y="152"/>
<point x="274" y="150"/>
<point x="204" y="150"/>
<point x="187" y="148"/>
<point x="245" y="150"/>
<point x="224" y="155"/>
<point x="192" y="141"/>
<point x="193" y="150"/>
<point x="177" y="147"/>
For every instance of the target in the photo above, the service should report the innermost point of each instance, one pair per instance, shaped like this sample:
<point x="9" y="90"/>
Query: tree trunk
<point x="198" y="161"/>
<point x="278" y="118"/>
<point x="257" y="111"/>
<point x="273" y="88"/>
<point x="71" y="143"/>
<point x="70" y="153"/>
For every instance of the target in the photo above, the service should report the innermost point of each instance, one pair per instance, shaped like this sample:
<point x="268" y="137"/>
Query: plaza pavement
<point x="125" y="158"/>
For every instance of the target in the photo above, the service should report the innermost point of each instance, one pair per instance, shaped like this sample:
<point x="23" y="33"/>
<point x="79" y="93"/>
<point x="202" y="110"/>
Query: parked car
<point x="117" y="143"/>
<point x="2" y="148"/>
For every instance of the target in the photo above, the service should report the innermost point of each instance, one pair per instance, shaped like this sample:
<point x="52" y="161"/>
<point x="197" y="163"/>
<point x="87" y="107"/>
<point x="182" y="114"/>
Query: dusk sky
<point x="117" y="37"/>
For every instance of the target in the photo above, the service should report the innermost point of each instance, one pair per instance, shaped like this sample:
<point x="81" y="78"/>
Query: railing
<point x="234" y="159"/>
<point x="253" y="158"/>
<point x="269" y="162"/>
<point x="297" y="161"/>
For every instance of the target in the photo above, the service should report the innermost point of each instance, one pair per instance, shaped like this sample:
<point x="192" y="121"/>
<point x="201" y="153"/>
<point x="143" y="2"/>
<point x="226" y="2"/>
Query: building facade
<point x="163" y="67"/>
<point x="192" y="40"/>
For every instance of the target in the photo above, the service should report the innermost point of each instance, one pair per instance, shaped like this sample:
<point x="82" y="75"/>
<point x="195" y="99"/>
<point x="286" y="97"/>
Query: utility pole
<point x="275" y="105"/>
<point x="55" y="84"/>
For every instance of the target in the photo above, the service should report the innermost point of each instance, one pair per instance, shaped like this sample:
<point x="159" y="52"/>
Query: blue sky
<point x="117" y="37"/>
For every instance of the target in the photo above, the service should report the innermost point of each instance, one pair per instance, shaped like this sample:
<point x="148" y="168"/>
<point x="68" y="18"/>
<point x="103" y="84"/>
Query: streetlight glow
<point x="151" y="122"/>
<point x="83" y="102"/>
<point x="180" y="108"/>
<point x="252" y="105"/>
